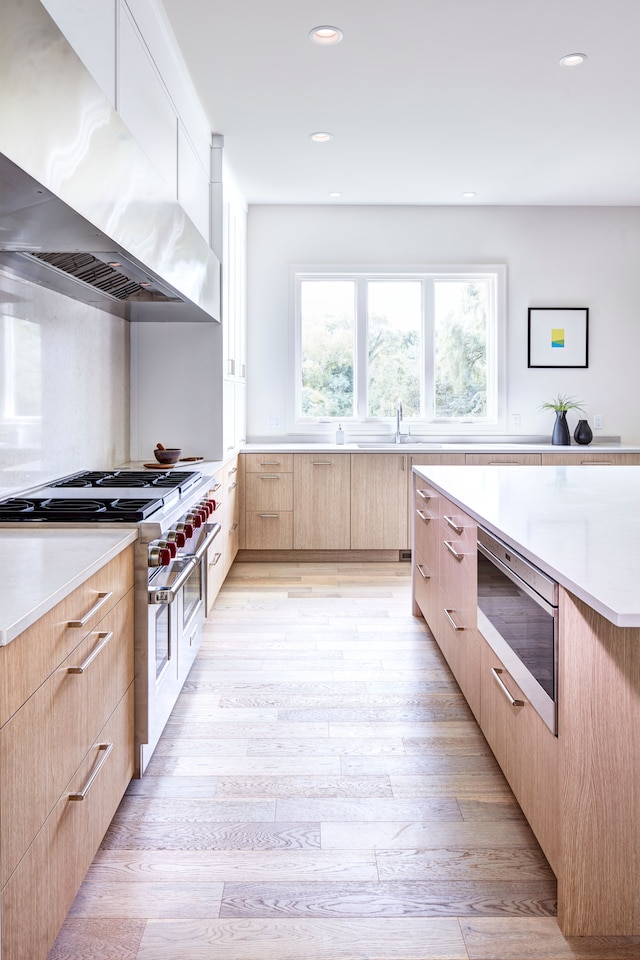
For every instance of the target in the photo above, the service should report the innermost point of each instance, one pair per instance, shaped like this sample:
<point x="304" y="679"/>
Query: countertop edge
<point x="48" y="602"/>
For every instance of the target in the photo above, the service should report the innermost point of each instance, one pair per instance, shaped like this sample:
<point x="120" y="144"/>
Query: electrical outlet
<point x="273" y="422"/>
<point x="515" y="421"/>
<point x="598" y="421"/>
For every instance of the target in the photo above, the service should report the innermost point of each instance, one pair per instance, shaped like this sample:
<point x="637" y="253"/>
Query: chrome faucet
<point x="398" y="421"/>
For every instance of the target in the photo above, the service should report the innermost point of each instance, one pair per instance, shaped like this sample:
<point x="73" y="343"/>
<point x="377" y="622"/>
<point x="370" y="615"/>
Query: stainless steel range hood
<point x="82" y="209"/>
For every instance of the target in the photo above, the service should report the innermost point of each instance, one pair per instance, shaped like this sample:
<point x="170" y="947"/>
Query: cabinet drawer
<point x="426" y="498"/>
<point x="459" y="561"/>
<point x="42" y="888"/>
<point x="44" y="742"/>
<point x="269" y="530"/>
<point x="426" y="537"/>
<point x="268" y="462"/>
<point x="524" y="747"/>
<point x="27" y="661"/>
<point x="426" y="592"/>
<point x="268" y="491"/>
<point x="490" y="459"/>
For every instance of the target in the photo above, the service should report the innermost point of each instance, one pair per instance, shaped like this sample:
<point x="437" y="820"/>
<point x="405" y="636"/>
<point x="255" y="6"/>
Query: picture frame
<point x="558" y="337"/>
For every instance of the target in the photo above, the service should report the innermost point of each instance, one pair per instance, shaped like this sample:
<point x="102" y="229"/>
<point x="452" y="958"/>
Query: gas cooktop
<point x="166" y="479"/>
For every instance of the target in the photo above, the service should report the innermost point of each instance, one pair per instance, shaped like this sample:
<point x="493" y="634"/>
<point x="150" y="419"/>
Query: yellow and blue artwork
<point x="557" y="337"/>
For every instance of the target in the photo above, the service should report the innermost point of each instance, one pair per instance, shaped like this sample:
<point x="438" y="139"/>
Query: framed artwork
<point x="558" y="337"/>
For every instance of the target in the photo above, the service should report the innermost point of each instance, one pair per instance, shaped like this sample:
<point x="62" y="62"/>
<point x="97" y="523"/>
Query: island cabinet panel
<point x="227" y="496"/>
<point x="599" y="702"/>
<point x="67" y="729"/>
<point x="444" y="583"/>
<point x="322" y="501"/>
<point x="379" y="501"/>
<point x="525" y="748"/>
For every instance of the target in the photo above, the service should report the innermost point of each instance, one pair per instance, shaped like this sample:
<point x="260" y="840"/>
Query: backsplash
<point x="64" y="386"/>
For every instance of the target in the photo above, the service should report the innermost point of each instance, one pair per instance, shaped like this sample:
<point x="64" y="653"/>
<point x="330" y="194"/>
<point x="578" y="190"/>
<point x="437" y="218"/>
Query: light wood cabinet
<point x="490" y="459"/>
<point x="526" y="750"/>
<point x="227" y="495"/>
<point x="379" y="501"/>
<point x="322" y="501"/>
<point x="444" y="583"/>
<point x="590" y="457"/>
<point x="268" y="501"/>
<point x="68" y="731"/>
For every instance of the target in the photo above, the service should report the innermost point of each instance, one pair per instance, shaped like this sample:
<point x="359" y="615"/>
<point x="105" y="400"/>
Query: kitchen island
<point x="580" y="790"/>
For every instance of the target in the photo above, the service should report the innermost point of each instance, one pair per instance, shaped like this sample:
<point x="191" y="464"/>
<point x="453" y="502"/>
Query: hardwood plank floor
<point x="321" y="792"/>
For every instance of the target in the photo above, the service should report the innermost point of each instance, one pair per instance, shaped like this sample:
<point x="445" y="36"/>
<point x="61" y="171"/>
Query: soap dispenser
<point x="339" y="434"/>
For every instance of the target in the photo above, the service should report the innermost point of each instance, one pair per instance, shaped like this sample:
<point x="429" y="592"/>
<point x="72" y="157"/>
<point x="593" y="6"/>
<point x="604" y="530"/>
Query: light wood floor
<point x="321" y="792"/>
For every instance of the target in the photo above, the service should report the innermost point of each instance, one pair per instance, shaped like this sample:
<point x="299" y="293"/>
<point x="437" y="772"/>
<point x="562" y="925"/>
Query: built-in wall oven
<point x="518" y="617"/>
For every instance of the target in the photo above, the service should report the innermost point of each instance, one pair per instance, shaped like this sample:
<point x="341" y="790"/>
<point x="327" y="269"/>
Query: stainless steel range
<point x="173" y="511"/>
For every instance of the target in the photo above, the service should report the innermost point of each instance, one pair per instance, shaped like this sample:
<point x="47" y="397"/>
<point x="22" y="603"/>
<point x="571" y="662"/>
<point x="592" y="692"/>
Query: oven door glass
<point x="162" y="636"/>
<point x="192" y="595"/>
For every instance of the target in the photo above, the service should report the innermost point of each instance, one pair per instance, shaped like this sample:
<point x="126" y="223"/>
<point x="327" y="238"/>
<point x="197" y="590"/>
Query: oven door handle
<point x="206" y="543"/>
<point x="169" y="594"/>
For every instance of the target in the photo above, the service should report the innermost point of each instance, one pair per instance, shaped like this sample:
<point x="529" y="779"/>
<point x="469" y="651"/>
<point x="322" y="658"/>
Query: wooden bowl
<point x="168" y="455"/>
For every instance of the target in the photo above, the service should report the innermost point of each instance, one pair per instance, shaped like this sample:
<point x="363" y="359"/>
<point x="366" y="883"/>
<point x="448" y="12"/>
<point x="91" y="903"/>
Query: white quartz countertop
<point x="426" y="447"/>
<point x="39" y="568"/>
<point x="580" y="524"/>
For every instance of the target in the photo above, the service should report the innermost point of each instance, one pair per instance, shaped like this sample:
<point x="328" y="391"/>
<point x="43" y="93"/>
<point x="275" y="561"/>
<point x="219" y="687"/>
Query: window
<point x="433" y="340"/>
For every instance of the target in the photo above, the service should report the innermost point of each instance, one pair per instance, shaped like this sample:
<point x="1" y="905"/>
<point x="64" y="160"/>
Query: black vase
<point x="582" y="433"/>
<point x="561" y="435"/>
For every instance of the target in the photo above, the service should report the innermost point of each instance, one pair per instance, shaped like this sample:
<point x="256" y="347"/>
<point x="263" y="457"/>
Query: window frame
<point x="426" y="423"/>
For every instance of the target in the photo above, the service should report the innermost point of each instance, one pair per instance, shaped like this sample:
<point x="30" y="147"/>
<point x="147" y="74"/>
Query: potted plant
<point x="561" y="405"/>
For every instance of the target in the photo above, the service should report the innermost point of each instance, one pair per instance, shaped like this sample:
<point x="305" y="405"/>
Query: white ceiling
<point x="425" y="99"/>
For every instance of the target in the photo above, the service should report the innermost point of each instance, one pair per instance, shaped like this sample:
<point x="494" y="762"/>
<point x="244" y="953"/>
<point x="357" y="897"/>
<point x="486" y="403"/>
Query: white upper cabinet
<point x="91" y="30"/>
<point x="143" y="103"/>
<point x="193" y="183"/>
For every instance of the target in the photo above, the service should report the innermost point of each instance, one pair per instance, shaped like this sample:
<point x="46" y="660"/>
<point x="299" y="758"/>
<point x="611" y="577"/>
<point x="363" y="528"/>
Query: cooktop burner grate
<point x="58" y="509"/>
<point x="128" y="478"/>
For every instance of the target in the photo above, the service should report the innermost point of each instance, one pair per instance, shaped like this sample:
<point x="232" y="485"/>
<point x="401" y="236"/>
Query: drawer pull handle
<point x="105" y="749"/>
<point x="216" y="558"/>
<point x="454" y="526"/>
<point x="456" y="626"/>
<point x="423" y="516"/>
<point x="233" y="470"/>
<point x="421" y="572"/>
<point x="496" y="671"/>
<point x="99" y="647"/>
<point x="233" y="485"/>
<point x="452" y="550"/>
<point x="321" y="463"/>
<point x="596" y="463"/>
<point x="269" y="516"/>
<point x="270" y="476"/>
<point x="423" y="495"/>
<point x="234" y="528"/>
<point x="269" y="463"/>
<point x="216" y="487"/>
<point x="102" y="599"/>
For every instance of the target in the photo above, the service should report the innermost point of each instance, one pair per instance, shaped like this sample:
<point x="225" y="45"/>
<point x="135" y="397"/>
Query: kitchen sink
<point x="393" y="446"/>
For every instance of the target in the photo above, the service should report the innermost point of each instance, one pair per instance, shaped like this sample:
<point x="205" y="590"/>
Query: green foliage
<point x="327" y="369"/>
<point x="461" y="357"/>
<point x="562" y="403"/>
<point x="393" y="370"/>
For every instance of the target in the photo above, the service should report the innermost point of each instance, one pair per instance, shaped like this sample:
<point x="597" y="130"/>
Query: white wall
<point x="79" y="370"/>
<point x="555" y="256"/>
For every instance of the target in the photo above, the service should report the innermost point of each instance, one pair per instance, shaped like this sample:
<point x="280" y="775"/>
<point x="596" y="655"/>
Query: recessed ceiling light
<point x="468" y="194"/>
<point x="320" y="136"/>
<point x="573" y="59"/>
<point x="325" y="36"/>
<point x="334" y="194"/>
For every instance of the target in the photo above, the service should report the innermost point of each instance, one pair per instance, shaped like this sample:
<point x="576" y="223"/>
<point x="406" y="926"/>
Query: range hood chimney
<point x="82" y="208"/>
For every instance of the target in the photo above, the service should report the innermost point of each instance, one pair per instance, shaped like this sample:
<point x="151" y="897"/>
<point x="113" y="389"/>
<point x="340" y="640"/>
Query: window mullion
<point x="361" y="348"/>
<point x="428" y="346"/>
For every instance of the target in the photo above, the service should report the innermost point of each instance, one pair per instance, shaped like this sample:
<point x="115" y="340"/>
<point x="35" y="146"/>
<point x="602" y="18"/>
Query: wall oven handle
<point x="100" y="602"/>
<point x="208" y="540"/>
<point x="99" y="647"/>
<point x="496" y="671"/>
<point x="169" y="594"/>
<point x="452" y="550"/>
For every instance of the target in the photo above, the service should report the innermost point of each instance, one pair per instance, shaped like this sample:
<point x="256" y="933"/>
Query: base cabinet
<point x="322" y="501"/>
<point x="66" y="752"/>
<point x="379" y="501"/>
<point x="227" y="496"/>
